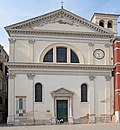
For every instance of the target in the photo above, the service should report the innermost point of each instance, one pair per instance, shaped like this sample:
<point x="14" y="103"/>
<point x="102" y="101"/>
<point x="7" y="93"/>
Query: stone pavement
<point x="107" y="126"/>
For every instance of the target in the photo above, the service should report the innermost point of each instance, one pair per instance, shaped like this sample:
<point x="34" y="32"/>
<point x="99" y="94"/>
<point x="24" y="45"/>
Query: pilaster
<point x="90" y="53"/>
<point x="71" y="110"/>
<point x="11" y="98"/>
<point x="107" y="98"/>
<point x="31" y="85"/>
<point x="92" y="99"/>
<point x="107" y="46"/>
<point x="53" y="111"/>
<point x="12" y="49"/>
<point x="31" y="50"/>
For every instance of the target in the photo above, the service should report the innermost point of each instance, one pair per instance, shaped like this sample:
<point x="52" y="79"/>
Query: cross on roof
<point x="62" y="4"/>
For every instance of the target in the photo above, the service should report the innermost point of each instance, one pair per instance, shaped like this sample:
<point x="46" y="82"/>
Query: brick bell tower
<point x="117" y="78"/>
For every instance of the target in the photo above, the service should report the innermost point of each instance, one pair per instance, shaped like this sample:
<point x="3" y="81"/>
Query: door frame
<point x="57" y="108"/>
<point x="62" y="94"/>
<point x="68" y="104"/>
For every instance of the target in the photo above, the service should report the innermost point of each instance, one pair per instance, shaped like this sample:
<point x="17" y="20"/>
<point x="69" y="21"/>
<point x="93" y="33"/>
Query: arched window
<point x="49" y="56"/>
<point x="74" y="57"/>
<point x="83" y="93"/>
<point x="62" y="55"/>
<point x="109" y="25"/>
<point x="38" y="92"/>
<point x="101" y="23"/>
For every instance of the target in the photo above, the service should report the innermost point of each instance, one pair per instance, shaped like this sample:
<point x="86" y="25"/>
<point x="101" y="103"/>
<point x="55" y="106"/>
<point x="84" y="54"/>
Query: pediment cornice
<point x="58" y="66"/>
<point x="63" y="17"/>
<point x="62" y="92"/>
<point x="58" y="33"/>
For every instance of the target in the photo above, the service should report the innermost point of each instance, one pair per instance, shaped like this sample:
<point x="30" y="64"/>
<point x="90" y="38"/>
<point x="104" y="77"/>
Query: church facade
<point x="60" y="68"/>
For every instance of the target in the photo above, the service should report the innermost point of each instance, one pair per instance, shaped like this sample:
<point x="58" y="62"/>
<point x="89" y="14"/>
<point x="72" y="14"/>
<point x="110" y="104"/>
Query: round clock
<point x="99" y="54"/>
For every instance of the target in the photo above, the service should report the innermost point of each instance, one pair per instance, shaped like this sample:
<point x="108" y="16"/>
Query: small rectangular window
<point x="20" y="106"/>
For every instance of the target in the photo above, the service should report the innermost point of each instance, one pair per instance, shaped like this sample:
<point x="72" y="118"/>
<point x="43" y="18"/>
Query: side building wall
<point x="117" y="78"/>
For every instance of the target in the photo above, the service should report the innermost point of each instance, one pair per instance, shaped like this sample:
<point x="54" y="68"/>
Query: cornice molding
<point x="58" y="33"/>
<point x="59" y="66"/>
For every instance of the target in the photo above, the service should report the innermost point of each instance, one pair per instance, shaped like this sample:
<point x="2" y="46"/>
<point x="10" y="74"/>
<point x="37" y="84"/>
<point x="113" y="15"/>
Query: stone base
<point x="24" y="121"/>
<point x="10" y="120"/>
<point x="104" y="118"/>
<point x="53" y="120"/>
<point x="82" y="120"/>
<point x="70" y="120"/>
<point x="43" y="122"/>
<point x="92" y="118"/>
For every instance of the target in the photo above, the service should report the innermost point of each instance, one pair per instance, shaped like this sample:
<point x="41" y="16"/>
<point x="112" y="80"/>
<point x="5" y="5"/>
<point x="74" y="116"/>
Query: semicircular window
<point x="61" y="55"/>
<point x="49" y="56"/>
<point x="74" y="57"/>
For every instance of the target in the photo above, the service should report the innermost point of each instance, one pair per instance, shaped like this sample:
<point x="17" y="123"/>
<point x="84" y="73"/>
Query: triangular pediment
<point x="61" y="20"/>
<point x="62" y="92"/>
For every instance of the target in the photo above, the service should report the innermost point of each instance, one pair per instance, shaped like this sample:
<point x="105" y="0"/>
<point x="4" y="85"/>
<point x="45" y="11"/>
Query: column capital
<point x="91" y="44"/>
<point x="30" y="76"/>
<point x="107" y="44"/>
<point x="31" y="41"/>
<point x="11" y="75"/>
<point x="107" y="77"/>
<point x="91" y="77"/>
<point x="12" y="40"/>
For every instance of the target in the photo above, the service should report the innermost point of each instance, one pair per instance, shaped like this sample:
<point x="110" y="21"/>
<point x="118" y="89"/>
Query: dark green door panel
<point x="62" y="110"/>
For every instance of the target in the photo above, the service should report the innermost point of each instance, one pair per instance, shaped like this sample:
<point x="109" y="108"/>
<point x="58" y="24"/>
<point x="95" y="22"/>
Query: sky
<point x="14" y="11"/>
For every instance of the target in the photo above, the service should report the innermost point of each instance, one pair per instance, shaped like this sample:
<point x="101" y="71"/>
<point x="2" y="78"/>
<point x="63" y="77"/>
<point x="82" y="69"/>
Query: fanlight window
<point x="49" y="56"/>
<point x="101" y="23"/>
<point x="61" y="55"/>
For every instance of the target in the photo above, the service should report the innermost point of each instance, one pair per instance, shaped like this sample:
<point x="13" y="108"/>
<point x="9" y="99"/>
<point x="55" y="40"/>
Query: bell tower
<point x="108" y="21"/>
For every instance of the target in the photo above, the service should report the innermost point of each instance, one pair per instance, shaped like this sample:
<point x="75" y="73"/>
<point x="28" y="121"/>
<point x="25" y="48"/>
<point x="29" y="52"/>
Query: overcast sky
<point x="13" y="11"/>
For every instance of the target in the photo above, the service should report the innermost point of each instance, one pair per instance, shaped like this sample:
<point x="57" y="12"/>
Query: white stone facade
<point x="30" y="41"/>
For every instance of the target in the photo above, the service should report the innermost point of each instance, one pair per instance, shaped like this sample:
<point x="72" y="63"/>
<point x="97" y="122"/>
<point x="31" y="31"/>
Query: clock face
<point x="99" y="54"/>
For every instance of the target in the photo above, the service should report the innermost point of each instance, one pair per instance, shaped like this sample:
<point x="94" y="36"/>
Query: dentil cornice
<point x="59" y="66"/>
<point x="52" y="33"/>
